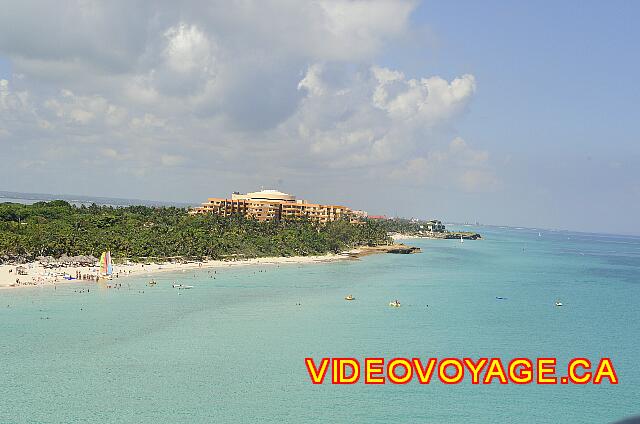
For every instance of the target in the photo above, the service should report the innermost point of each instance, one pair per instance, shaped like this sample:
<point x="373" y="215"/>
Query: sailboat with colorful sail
<point x="106" y="268"/>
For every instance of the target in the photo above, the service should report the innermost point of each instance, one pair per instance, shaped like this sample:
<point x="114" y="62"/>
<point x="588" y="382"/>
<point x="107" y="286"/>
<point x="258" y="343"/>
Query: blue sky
<point x="569" y="65"/>
<point x="557" y="94"/>
<point x="5" y="68"/>
<point x="511" y="113"/>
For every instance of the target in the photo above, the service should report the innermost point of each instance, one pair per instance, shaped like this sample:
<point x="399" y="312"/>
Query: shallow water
<point x="232" y="349"/>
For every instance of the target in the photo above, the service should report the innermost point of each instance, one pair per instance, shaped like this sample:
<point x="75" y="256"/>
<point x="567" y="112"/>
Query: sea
<point x="232" y="348"/>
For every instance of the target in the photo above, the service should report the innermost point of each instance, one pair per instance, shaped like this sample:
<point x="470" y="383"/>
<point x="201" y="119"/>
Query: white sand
<point x="401" y="236"/>
<point x="38" y="275"/>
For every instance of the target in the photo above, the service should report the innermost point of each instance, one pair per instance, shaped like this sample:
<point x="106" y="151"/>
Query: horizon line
<point x="51" y="196"/>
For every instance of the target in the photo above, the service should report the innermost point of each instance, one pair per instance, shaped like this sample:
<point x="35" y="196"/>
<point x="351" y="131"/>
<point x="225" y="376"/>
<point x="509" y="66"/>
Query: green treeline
<point x="136" y="232"/>
<point x="401" y="225"/>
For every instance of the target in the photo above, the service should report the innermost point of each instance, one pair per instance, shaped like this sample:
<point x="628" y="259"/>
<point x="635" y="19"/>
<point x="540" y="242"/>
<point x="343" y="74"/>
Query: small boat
<point x="395" y="304"/>
<point x="181" y="286"/>
<point x="558" y="303"/>
<point x="349" y="297"/>
<point x="539" y="234"/>
<point x="501" y="298"/>
<point x="152" y="283"/>
<point x="106" y="266"/>
<point x="461" y="240"/>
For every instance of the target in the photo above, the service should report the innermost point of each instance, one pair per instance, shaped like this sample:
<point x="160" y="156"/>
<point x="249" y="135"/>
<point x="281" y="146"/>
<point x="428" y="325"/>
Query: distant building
<point x="377" y="217"/>
<point x="435" y="226"/>
<point x="272" y="205"/>
<point x="360" y="214"/>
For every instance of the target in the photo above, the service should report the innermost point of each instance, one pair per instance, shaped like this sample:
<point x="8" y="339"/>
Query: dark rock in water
<point x="463" y="235"/>
<point x="405" y="250"/>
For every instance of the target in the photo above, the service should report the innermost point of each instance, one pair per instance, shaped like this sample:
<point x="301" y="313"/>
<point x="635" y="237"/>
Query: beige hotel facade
<point x="273" y="205"/>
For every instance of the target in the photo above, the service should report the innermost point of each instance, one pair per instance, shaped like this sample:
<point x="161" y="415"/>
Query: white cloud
<point x="375" y="116"/>
<point x="12" y="101"/>
<point x="429" y="99"/>
<point x="172" y="160"/>
<point x="477" y="180"/>
<point x="81" y="116"/>
<point x="148" y="120"/>
<point x="72" y="109"/>
<point x="312" y="81"/>
<point x="139" y="89"/>
<point x="359" y="27"/>
<point x="226" y="83"/>
<point x="457" y="167"/>
<point x="115" y="115"/>
<point x="188" y="49"/>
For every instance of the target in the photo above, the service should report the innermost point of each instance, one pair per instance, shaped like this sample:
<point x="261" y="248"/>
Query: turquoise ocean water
<point x="232" y="349"/>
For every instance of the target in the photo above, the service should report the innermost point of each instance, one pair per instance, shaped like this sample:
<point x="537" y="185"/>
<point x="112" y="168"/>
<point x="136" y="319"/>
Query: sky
<point x="507" y="113"/>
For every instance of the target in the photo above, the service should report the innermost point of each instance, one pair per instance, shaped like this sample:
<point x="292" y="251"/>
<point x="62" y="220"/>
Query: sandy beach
<point x="37" y="275"/>
<point x="400" y="236"/>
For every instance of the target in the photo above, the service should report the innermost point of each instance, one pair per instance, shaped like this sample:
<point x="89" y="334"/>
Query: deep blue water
<point x="232" y="349"/>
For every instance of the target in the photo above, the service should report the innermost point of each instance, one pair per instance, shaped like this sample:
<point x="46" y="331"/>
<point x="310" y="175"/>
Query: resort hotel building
<point x="435" y="226"/>
<point x="272" y="205"/>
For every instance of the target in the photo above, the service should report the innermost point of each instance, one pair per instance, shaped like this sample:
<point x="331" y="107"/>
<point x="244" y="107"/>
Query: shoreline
<point x="455" y="235"/>
<point x="38" y="276"/>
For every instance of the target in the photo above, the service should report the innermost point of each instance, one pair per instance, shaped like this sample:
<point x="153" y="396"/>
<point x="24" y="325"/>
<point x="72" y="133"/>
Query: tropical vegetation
<point x="142" y="233"/>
